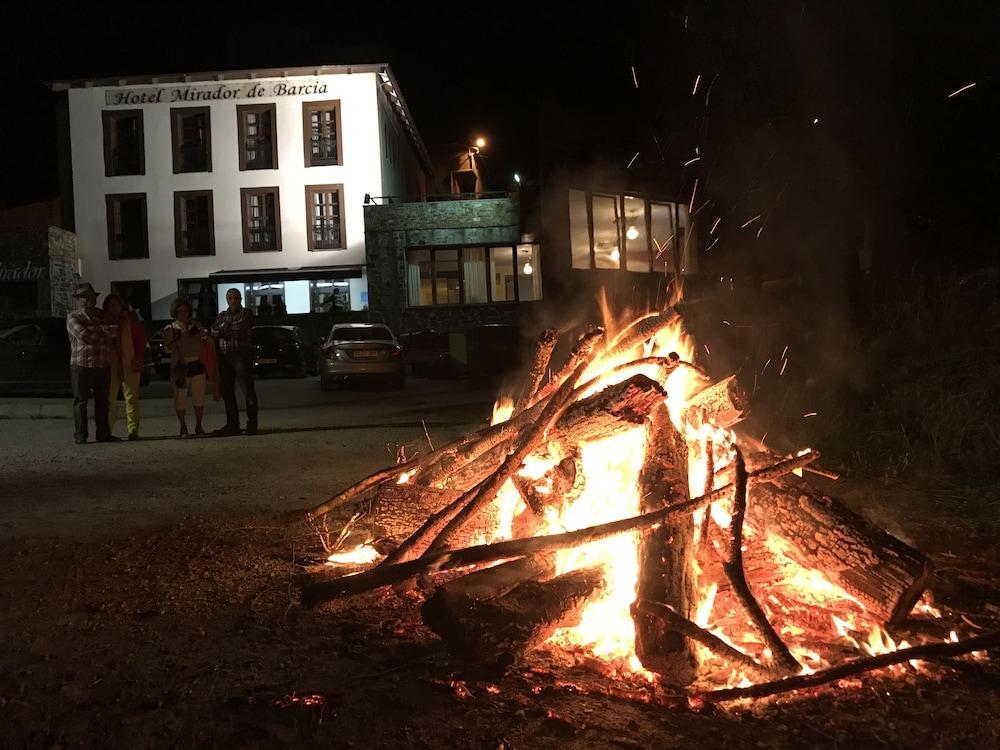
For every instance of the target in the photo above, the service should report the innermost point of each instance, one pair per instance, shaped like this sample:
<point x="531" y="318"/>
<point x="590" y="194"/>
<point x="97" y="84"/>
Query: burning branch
<point x="849" y="669"/>
<point x="547" y="341"/>
<point x="732" y="564"/>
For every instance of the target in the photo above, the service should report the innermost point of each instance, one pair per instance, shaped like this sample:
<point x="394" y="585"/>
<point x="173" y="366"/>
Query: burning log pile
<point x="612" y="511"/>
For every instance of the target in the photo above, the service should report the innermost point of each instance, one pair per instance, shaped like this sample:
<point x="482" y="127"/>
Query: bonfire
<point x="613" y="515"/>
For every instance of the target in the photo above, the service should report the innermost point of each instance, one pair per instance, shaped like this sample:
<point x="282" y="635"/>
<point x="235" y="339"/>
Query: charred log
<point x="614" y="410"/>
<point x="722" y="404"/>
<point x="666" y="556"/>
<point x="885" y="574"/>
<point x="500" y="631"/>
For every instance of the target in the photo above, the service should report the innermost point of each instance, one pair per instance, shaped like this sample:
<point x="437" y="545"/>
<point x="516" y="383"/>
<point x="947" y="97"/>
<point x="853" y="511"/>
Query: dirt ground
<point x="149" y="601"/>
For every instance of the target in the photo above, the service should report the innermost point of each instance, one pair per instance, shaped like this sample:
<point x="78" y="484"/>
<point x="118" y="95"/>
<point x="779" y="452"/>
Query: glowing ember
<point x="360" y="555"/>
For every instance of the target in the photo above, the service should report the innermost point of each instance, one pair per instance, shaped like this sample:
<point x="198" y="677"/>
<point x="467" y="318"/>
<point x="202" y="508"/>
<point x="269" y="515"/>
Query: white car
<point x="361" y="350"/>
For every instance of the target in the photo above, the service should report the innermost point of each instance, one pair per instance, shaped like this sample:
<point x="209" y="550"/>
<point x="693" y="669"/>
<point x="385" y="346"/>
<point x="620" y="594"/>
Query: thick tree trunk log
<point x="666" y="556"/>
<point x="886" y="575"/>
<point x="614" y="410"/>
<point x="722" y="404"/>
<point x="500" y="631"/>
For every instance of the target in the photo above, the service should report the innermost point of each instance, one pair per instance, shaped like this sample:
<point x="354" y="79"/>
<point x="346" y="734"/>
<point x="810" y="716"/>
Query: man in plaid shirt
<point x="92" y="346"/>
<point x="233" y="328"/>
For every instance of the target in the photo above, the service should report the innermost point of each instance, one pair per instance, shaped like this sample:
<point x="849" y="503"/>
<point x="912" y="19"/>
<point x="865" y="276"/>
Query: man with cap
<point x="92" y="344"/>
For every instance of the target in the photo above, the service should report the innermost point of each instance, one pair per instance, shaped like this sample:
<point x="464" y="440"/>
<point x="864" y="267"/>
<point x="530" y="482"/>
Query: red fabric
<point x="208" y="358"/>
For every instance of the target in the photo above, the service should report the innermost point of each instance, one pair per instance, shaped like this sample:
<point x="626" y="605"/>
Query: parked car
<point x="283" y="350"/>
<point x="361" y="350"/>
<point x="427" y="353"/>
<point x="34" y="357"/>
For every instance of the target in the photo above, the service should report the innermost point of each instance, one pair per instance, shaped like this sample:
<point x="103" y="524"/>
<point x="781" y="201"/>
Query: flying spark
<point x="783" y="366"/>
<point x="759" y="231"/>
<point x="689" y="162"/>
<point x="712" y="245"/>
<point x="715" y="225"/>
<point x="635" y="79"/>
<point x="966" y="87"/>
<point x="694" y="192"/>
<point x="815" y="121"/>
<point x="764" y="368"/>
<point x="727" y="323"/>
<point x="707" y="350"/>
<point x="744" y="226"/>
<point x="697" y="80"/>
<point x="784" y="351"/>
<point x="633" y="160"/>
<point x="811" y="414"/>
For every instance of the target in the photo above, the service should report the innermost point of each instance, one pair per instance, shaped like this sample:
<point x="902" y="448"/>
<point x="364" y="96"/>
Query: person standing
<point x="126" y="363"/>
<point x="92" y="345"/>
<point x="192" y="364"/>
<point x="233" y="328"/>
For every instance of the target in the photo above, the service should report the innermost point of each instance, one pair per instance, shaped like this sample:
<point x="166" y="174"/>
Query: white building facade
<point x="192" y="184"/>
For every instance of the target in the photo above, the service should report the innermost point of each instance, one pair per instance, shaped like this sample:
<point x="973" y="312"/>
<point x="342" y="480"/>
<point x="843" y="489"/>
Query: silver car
<point x="361" y="350"/>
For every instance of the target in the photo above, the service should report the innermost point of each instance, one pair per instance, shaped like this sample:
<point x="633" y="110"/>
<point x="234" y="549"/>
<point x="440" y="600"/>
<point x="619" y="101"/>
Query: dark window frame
<point x="488" y="248"/>
<point x="180" y="225"/>
<point x="241" y="131"/>
<point x="108" y="118"/>
<point x="679" y="232"/>
<point x="245" y="194"/>
<point x="310" y="190"/>
<point x="109" y="201"/>
<point x="324" y="105"/>
<point x="177" y="115"/>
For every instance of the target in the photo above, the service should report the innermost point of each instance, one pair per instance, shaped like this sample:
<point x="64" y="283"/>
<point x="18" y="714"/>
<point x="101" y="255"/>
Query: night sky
<point x="892" y="160"/>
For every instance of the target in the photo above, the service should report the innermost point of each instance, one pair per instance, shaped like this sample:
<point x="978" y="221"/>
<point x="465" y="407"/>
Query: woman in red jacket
<point x="126" y="364"/>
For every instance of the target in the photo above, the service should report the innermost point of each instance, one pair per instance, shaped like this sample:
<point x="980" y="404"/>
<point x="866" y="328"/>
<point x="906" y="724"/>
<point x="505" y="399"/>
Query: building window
<point x="191" y="135"/>
<point x="329" y="295"/>
<point x="124" y="148"/>
<point x="664" y="235"/>
<point x="136" y="296"/>
<point x="321" y="133"/>
<point x="650" y="232"/>
<point x="258" y="136"/>
<point x="127" y="234"/>
<point x="325" y="214"/>
<point x="472" y="275"/>
<point x="194" y="223"/>
<point x="579" y="230"/>
<point x="261" y="220"/>
<point x="607" y="232"/>
<point x="637" y="255"/>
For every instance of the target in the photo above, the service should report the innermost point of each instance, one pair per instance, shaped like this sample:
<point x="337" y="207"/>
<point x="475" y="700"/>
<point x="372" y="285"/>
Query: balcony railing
<point x="386" y="200"/>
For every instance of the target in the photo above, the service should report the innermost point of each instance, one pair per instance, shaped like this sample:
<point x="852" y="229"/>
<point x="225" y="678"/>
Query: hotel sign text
<point x="212" y="92"/>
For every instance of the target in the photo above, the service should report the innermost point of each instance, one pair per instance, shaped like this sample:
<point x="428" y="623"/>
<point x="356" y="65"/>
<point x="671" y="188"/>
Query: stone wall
<point x="391" y="229"/>
<point x="46" y="256"/>
<point x="64" y="264"/>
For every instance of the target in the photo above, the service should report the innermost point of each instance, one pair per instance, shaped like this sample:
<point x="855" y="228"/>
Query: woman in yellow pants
<point x="126" y="364"/>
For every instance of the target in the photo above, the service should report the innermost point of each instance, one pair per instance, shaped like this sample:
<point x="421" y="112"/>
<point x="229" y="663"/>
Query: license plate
<point x="267" y="361"/>
<point x="364" y="353"/>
